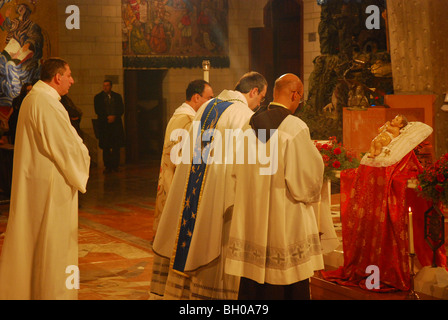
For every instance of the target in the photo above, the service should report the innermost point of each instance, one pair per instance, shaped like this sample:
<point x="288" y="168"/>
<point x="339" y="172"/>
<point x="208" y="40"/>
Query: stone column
<point x="418" y="33"/>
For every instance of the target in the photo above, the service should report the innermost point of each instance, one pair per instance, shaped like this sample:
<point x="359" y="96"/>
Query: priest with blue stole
<point x="197" y="93"/>
<point x="193" y="228"/>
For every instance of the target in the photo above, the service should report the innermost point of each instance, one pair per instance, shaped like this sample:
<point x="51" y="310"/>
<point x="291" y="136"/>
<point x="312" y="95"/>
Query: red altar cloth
<point x="374" y="216"/>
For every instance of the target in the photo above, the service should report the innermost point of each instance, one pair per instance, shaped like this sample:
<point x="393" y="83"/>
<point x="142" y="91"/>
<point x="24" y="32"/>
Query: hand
<point x="110" y="119"/>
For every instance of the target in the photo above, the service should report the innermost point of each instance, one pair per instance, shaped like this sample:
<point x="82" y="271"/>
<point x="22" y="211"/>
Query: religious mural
<point x="174" y="33"/>
<point x="26" y="35"/>
<point x="22" y="49"/>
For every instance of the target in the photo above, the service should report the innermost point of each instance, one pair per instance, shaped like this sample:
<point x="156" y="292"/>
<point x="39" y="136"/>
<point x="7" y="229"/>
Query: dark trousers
<point x="252" y="290"/>
<point x="111" y="157"/>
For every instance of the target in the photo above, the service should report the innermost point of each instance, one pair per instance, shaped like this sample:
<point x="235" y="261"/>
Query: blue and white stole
<point x="196" y="179"/>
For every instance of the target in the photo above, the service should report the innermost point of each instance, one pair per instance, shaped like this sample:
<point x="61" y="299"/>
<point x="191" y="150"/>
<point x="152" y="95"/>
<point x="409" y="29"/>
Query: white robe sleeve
<point x="304" y="168"/>
<point x="63" y="145"/>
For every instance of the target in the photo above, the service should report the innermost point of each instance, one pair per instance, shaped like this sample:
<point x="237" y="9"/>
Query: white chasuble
<point x="274" y="236"/>
<point x="181" y="122"/>
<point x="51" y="164"/>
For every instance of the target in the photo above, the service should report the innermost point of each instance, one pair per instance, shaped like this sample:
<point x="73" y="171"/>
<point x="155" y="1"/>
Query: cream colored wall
<point x="95" y="50"/>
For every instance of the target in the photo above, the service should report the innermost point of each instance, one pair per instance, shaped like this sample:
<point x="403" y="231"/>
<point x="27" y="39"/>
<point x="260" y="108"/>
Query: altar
<point x="375" y="200"/>
<point x="360" y="127"/>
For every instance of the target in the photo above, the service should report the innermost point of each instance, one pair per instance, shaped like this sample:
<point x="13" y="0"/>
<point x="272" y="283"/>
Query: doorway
<point x="144" y="115"/>
<point x="277" y="48"/>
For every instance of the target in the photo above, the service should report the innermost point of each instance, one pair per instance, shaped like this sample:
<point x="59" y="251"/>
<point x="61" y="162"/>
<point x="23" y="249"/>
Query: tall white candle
<point x="206" y="69"/>
<point x="411" y="233"/>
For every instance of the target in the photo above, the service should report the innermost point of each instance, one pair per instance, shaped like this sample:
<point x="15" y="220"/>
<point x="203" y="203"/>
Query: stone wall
<point x="95" y="51"/>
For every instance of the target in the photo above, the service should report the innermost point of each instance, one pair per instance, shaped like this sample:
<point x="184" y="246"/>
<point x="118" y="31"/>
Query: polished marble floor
<point x="115" y="233"/>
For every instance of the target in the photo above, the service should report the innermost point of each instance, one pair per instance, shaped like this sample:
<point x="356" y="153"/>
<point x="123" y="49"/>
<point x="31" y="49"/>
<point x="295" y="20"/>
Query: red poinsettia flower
<point x="434" y="181"/>
<point x="335" y="157"/>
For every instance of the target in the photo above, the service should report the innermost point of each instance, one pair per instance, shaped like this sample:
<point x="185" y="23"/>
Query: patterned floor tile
<point x="115" y="233"/>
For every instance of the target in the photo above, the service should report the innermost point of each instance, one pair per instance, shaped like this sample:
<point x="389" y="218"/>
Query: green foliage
<point x="336" y="158"/>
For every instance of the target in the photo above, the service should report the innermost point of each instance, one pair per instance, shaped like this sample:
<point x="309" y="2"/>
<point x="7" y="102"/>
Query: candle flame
<point x="409" y="209"/>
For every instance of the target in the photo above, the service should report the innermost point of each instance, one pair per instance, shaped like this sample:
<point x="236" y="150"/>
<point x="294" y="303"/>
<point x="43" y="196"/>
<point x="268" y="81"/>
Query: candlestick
<point x="411" y="233"/>
<point x="412" y="295"/>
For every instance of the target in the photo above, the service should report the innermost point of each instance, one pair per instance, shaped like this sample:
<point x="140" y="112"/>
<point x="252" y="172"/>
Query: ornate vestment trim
<point x="273" y="257"/>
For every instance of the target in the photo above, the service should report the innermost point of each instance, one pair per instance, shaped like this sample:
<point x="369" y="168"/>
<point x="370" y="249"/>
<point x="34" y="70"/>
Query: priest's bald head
<point x="288" y="90"/>
<point x="56" y="73"/>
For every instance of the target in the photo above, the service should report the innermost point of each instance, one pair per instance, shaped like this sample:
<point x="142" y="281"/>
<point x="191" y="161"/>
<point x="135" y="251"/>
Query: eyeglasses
<point x="259" y="93"/>
<point x="301" y="96"/>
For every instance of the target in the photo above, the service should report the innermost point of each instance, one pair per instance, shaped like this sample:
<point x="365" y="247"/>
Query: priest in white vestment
<point x="197" y="93"/>
<point x="39" y="257"/>
<point x="274" y="243"/>
<point x="192" y="231"/>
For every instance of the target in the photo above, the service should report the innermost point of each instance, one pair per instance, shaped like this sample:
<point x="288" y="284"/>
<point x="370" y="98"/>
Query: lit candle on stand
<point x="411" y="233"/>
<point x="206" y="69"/>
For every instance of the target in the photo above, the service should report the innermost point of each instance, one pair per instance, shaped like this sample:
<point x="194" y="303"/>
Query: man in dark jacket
<point x="109" y="108"/>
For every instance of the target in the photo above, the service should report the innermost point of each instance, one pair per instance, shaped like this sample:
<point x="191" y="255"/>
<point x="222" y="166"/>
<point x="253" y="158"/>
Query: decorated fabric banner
<point x="174" y="33"/>
<point x="24" y="42"/>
